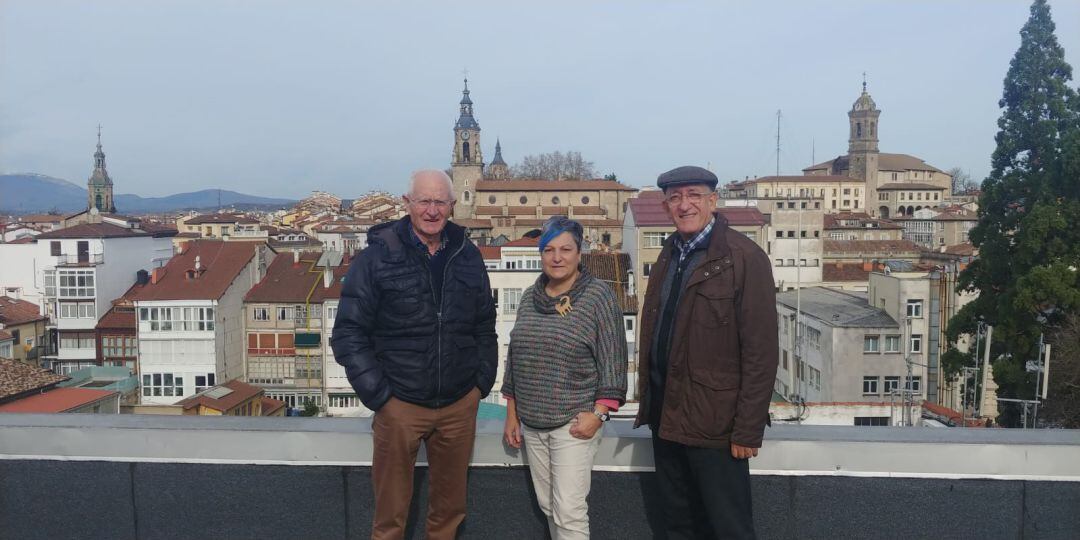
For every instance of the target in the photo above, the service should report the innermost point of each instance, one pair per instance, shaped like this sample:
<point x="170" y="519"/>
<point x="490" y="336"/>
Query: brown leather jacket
<point x="724" y="345"/>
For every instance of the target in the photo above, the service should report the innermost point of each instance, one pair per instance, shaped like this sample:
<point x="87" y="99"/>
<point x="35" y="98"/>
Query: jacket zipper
<point x="438" y="301"/>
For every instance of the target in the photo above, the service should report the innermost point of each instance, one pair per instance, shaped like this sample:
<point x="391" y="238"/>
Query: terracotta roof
<point x="474" y="223"/>
<point x="220" y="262"/>
<point x="551" y="185"/>
<point x="900" y="186"/>
<point x="56" y="401"/>
<point x="4" y="336"/>
<point x="523" y="242"/>
<point x="589" y="211"/>
<point x="488" y="211"/>
<point x="554" y="210"/>
<point x="832" y="222"/>
<point x="966" y="249"/>
<point x="649" y="211"/>
<point x="271" y="405"/>
<point x="286" y="282"/>
<point x="870" y="246"/>
<point x="613" y="268"/>
<point x="19" y="377"/>
<point x="188" y="235"/>
<point x="240" y="392"/>
<point x="41" y="218"/>
<point x="121" y="316"/>
<point x="97" y="230"/>
<point x="490" y="253"/>
<point x="843" y="272"/>
<point x="521" y="210"/>
<point x="14" y="312"/>
<point x="221" y="218"/>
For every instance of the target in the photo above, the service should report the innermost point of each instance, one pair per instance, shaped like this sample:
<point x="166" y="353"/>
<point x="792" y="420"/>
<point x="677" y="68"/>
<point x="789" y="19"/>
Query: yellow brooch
<point x="562" y="306"/>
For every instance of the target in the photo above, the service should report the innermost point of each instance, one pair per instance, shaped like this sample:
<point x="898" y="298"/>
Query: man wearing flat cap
<point x="707" y="362"/>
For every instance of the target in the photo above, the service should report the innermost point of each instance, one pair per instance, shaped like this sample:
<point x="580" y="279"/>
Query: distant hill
<point x="31" y="193"/>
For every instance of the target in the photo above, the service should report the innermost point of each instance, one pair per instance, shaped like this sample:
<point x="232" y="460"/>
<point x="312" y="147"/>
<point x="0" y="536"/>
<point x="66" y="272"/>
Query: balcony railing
<point x="80" y="259"/>
<point x="271" y="352"/>
<point x="809" y="481"/>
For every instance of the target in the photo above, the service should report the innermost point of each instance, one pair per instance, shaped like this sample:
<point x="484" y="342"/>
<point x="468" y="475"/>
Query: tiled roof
<point x="649" y="211"/>
<point x="523" y="242"/>
<point x="240" y="392"/>
<point x="589" y="211"/>
<point x="271" y="405"/>
<point x="832" y="221"/>
<point x="837" y="308"/>
<point x="220" y="263"/>
<point x="118" y="318"/>
<point x="40" y="218"/>
<point x="4" y="336"/>
<point x="551" y="185"/>
<point x="56" y="401"/>
<point x="19" y="377"/>
<point x="474" y="223"/>
<point x="843" y="272"/>
<point x="554" y="210"/>
<point x="522" y="210"/>
<point x="870" y="246"/>
<point x="966" y="249"/>
<point x="488" y="210"/>
<point x="613" y="268"/>
<point x="886" y="162"/>
<point x="14" y="312"/>
<point x="221" y="218"/>
<point x="490" y="253"/>
<point x="286" y="282"/>
<point x="99" y="230"/>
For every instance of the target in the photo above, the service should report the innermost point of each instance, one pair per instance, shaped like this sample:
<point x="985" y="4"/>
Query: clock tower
<point x="467" y="165"/>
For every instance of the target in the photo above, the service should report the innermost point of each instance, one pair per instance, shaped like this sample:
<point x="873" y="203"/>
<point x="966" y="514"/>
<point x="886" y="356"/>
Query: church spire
<point x="99" y="188"/>
<point x="498" y="154"/>
<point x="466" y="120"/>
<point x="99" y="156"/>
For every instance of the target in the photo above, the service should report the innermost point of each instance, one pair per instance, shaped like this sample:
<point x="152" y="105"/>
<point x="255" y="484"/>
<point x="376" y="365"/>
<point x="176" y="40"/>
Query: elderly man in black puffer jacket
<point x="415" y="332"/>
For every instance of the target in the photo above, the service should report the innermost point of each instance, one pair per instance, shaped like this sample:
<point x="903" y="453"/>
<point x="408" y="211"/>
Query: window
<point x="202" y="382"/>
<point x="914" y="309"/>
<point x="260" y="314"/>
<point x="815" y="378"/>
<point x="800" y="370"/>
<point x="284" y="313"/>
<point x="54" y="248"/>
<point x="646" y="269"/>
<point x="779" y="262"/>
<point x="77" y="283"/>
<point x="784" y="360"/>
<point x="495" y="298"/>
<point x="802" y="233"/>
<point x="779" y="206"/>
<point x="883" y="196"/>
<point x="331" y="313"/>
<point x="491" y="199"/>
<point x="914" y="384"/>
<point x="779" y="234"/>
<point x="817" y="234"/>
<point x="119" y="346"/>
<point x="77" y="310"/>
<point x="162" y="384"/>
<point x="179" y="319"/>
<point x="871" y="344"/>
<point x="555" y="200"/>
<point x="802" y="262"/>
<point x="49" y="279"/>
<point x="511" y="298"/>
<point x="629" y="324"/>
<point x="791" y="234"/>
<point x="892" y="384"/>
<point x="584" y="200"/>
<point x="77" y="340"/>
<point x="892" y="344"/>
<point x="653" y="239"/>
<point x="870" y="385"/>
<point x="791" y="262"/>
<point x="916" y="343"/>
<point x="523" y="199"/>
<point x="847" y="191"/>
<point x="878" y="421"/>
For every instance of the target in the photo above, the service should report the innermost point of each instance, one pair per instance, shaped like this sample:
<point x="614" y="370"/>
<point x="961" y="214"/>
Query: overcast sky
<point x="281" y="98"/>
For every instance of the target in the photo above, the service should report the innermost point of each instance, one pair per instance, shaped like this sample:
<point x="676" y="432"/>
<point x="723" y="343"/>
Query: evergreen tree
<point x="1028" y="234"/>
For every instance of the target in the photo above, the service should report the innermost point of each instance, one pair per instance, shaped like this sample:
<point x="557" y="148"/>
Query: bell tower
<point x="467" y="165"/>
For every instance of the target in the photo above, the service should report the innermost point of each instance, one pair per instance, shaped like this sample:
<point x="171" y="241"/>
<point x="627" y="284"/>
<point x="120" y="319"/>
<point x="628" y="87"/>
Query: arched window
<point x="465" y="152"/>
<point x="466" y="196"/>
<point x="858" y="130"/>
<point x="491" y="199"/>
<point x="873" y="129"/>
<point x="97" y="201"/>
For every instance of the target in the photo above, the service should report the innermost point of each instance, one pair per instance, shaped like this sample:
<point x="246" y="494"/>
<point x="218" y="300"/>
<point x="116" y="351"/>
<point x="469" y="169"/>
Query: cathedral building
<point x="492" y="204"/>
<point x="99" y="188"/>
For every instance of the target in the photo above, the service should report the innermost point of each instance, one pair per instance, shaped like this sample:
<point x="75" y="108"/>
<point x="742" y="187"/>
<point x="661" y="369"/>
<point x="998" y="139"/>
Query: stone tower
<point x="467" y="166"/>
<point x="99" y="188"/>
<point x="498" y="170"/>
<point x="863" y="147"/>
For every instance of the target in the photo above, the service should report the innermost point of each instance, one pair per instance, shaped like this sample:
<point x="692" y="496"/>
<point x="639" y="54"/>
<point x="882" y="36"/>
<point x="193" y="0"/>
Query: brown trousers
<point x="448" y="433"/>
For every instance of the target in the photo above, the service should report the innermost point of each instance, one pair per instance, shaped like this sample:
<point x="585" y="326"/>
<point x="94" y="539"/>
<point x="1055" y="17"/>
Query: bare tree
<point x="554" y="166"/>
<point x="961" y="181"/>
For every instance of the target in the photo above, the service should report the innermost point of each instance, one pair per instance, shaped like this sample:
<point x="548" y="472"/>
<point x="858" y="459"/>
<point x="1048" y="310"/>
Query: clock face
<point x="464" y="135"/>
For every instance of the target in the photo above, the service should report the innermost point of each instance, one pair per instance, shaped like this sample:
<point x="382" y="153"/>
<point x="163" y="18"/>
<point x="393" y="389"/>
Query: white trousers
<point x="561" y="469"/>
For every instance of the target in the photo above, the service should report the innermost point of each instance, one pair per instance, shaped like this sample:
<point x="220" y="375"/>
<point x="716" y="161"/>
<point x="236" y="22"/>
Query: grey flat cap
<point x="688" y="174"/>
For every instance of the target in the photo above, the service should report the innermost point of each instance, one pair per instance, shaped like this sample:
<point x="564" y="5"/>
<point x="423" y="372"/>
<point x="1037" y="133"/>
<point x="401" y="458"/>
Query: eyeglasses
<point x="428" y="203"/>
<point x="693" y="197"/>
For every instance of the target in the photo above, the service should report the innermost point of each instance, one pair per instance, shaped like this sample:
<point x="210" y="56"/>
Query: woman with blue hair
<point x="565" y="371"/>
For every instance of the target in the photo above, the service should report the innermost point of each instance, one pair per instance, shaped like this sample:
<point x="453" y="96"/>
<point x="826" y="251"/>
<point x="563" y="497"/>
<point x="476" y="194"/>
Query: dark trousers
<point x="448" y="433"/>
<point x="704" y="491"/>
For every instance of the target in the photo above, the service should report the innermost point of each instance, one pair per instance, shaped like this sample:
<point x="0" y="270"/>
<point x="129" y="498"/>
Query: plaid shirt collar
<point x="699" y="240"/>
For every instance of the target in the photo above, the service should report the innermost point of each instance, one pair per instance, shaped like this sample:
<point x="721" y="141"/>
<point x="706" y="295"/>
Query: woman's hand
<point x="512" y="431"/>
<point x="585" y="425"/>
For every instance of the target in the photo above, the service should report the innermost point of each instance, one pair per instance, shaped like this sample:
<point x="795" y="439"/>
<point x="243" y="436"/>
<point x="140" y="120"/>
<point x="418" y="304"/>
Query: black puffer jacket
<point x="391" y="337"/>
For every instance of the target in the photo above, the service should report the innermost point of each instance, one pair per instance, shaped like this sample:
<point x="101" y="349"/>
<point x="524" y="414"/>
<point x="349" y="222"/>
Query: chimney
<point x="142" y="277"/>
<point x="867" y="266"/>
<point x="157" y="274"/>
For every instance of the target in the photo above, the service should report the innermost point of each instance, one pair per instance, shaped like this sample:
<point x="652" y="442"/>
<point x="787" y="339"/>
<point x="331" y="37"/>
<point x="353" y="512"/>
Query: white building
<point x="190" y="318"/>
<point x="75" y="273"/>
